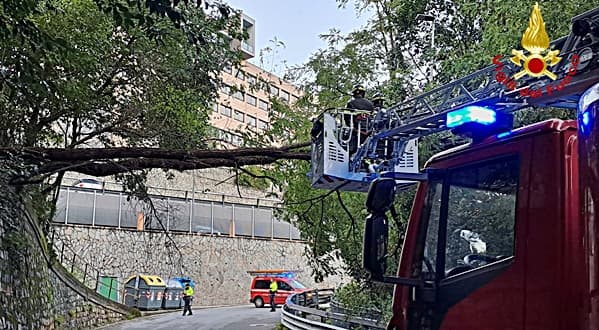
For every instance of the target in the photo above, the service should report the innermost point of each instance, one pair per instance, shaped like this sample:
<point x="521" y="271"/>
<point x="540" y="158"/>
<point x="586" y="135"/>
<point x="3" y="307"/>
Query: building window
<point x="250" y="99"/>
<point x="227" y="68"/>
<point x="251" y="121"/>
<point x="225" y="136"/>
<point x="214" y="107"/>
<point x="238" y="95"/>
<point x="225" y="89"/>
<point x="263" y="105"/>
<point x="293" y="99"/>
<point x="274" y="91"/>
<point x="238" y="115"/>
<point x="284" y="95"/>
<point x="225" y="110"/>
<point x="237" y="140"/>
<point x="240" y="75"/>
<point x="250" y="79"/>
<point x="262" y="125"/>
<point x="264" y="85"/>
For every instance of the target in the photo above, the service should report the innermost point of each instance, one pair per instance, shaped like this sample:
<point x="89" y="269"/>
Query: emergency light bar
<point x="478" y="122"/>
<point x="471" y="114"/>
<point x="274" y="273"/>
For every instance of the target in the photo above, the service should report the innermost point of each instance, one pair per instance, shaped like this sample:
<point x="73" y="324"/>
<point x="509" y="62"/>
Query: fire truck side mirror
<point x="380" y="195"/>
<point x="376" y="233"/>
<point x="374" y="255"/>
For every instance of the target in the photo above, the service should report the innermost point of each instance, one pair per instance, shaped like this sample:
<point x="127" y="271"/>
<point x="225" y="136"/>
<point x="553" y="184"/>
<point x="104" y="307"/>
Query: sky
<point x="297" y="23"/>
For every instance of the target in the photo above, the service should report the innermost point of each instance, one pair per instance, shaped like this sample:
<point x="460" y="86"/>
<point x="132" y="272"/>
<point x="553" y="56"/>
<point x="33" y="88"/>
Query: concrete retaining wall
<point x="218" y="265"/>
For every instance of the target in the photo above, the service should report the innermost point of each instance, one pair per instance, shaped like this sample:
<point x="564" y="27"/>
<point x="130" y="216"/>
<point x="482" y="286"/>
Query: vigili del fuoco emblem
<point x="536" y="41"/>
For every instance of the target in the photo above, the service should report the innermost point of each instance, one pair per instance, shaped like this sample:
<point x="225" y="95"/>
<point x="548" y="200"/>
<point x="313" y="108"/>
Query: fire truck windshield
<point x="468" y="219"/>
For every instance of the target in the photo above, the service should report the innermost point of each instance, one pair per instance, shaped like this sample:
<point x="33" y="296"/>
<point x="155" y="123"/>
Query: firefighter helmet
<point x="358" y="88"/>
<point x="378" y="96"/>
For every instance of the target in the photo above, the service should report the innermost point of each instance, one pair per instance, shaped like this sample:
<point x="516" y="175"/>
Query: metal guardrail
<point x="309" y="310"/>
<point x="373" y="315"/>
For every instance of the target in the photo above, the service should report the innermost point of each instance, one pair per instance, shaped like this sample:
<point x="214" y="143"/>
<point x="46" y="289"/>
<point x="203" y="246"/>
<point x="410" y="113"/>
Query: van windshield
<point x="296" y="284"/>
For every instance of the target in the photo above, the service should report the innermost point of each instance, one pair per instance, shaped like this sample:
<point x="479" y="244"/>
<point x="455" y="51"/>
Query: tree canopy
<point x="114" y="86"/>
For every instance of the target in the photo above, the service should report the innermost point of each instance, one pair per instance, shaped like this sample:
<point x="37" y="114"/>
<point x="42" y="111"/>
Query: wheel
<point x="258" y="302"/>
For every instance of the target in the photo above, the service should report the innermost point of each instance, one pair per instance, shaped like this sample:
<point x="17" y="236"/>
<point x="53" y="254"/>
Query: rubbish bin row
<point x="149" y="292"/>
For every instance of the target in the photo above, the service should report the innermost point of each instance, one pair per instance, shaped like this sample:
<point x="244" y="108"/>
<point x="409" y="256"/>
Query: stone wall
<point x="218" y="265"/>
<point x="34" y="294"/>
<point x="74" y="311"/>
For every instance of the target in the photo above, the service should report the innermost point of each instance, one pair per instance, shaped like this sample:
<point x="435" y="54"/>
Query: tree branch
<point x="110" y="161"/>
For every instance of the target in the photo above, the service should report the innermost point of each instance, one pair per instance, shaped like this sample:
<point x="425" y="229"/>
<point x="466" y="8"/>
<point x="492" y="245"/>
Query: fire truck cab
<point x="504" y="230"/>
<point x="494" y="238"/>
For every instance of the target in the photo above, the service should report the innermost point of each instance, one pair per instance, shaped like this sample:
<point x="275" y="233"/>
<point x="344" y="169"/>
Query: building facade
<point x="243" y="103"/>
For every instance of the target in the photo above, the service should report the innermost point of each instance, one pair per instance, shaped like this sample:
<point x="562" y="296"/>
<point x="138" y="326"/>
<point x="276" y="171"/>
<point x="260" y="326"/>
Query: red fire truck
<point x="504" y="230"/>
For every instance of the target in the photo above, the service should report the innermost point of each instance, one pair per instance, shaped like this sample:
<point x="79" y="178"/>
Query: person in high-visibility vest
<point x="273" y="291"/>
<point x="187" y="297"/>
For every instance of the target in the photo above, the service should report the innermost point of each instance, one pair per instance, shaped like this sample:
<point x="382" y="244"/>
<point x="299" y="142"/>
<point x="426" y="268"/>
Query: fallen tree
<point x="111" y="161"/>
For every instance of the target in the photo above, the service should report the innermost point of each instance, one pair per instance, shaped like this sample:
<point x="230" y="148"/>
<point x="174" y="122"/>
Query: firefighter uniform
<point x="187" y="297"/>
<point x="273" y="291"/>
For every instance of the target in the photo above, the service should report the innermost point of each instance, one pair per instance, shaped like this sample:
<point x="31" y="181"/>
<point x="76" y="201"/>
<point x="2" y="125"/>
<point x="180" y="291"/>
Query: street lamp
<point x="428" y="18"/>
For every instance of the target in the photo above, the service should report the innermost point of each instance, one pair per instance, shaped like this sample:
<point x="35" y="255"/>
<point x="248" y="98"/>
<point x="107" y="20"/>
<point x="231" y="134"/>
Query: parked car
<point x="89" y="183"/>
<point x="260" y="287"/>
<point x="207" y="230"/>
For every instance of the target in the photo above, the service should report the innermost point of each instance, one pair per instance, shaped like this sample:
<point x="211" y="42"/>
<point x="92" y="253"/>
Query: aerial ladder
<point x="388" y="141"/>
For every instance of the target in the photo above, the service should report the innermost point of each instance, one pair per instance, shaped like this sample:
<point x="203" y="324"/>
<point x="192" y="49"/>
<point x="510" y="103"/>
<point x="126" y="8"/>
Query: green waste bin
<point x="144" y="292"/>
<point x="108" y="286"/>
<point x="173" y="294"/>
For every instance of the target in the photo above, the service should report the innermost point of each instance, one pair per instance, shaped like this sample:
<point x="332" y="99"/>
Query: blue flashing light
<point x="586" y="121"/>
<point x="587" y="109"/>
<point x="586" y="118"/>
<point x="471" y="114"/>
<point x="504" y="134"/>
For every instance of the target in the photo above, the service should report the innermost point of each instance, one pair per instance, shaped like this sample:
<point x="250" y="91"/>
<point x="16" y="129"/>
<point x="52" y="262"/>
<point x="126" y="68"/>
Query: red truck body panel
<point x="545" y="286"/>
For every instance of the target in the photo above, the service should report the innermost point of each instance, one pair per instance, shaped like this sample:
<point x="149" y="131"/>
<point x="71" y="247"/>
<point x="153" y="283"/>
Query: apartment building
<point x="244" y="103"/>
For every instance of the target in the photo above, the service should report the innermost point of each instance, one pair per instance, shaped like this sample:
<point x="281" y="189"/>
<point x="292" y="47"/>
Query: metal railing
<point x="93" y="207"/>
<point x="369" y="314"/>
<point x="310" y="310"/>
<point x="83" y="271"/>
<point x="91" y="277"/>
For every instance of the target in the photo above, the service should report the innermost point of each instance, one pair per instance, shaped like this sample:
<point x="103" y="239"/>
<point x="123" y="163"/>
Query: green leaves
<point x="176" y="120"/>
<point x="93" y="70"/>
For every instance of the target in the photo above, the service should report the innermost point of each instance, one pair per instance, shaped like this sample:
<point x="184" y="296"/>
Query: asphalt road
<point x="229" y="318"/>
